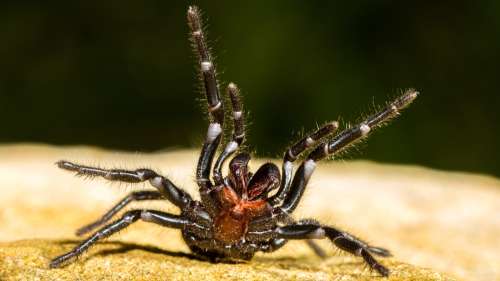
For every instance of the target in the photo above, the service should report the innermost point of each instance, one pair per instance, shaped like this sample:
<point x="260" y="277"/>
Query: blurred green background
<point x="120" y="74"/>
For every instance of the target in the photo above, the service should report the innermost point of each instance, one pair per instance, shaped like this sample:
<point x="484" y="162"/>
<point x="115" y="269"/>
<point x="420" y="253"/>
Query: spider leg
<point x="277" y="243"/>
<point x="167" y="189"/>
<point x="238" y="132"/>
<point x="291" y="155"/>
<point x="215" y="106"/>
<point x="338" y="143"/>
<point x="316" y="249"/>
<point x="361" y="130"/>
<point x="134" y="196"/>
<point x="127" y="219"/>
<point x="343" y="240"/>
<point x="258" y="230"/>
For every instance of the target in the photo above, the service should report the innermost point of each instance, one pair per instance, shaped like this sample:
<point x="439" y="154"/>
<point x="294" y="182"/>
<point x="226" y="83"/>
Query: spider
<point x="244" y="212"/>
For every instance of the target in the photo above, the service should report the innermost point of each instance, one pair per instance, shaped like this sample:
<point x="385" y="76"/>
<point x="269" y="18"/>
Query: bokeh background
<point x="120" y="74"/>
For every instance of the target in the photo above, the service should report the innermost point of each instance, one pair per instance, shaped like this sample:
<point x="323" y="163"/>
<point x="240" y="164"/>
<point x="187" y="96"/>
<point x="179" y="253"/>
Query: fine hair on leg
<point x="169" y="191"/>
<point x="340" y="142"/>
<point x="309" y="229"/>
<point x="127" y="219"/>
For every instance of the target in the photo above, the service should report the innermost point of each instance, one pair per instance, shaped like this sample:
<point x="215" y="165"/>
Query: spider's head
<point x="252" y="186"/>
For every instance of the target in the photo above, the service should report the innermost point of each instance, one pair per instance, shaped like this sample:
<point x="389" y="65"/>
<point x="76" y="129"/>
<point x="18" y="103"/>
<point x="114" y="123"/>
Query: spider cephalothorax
<point x="242" y="213"/>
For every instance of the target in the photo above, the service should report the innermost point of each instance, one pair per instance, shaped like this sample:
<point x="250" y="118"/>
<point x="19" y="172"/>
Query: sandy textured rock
<point x="449" y="222"/>
<point x="27" y="260"/>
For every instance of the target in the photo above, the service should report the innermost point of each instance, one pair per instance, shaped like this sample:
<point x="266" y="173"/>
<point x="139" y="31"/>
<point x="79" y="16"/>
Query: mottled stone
<point x="28" y="259"/>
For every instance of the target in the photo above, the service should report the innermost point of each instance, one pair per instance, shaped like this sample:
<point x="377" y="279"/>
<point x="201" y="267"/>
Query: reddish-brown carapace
<point x="243" y="198"/>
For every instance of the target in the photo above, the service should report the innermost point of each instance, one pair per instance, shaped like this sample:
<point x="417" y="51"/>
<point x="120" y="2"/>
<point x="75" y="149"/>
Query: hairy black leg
<point x="299" y="182"/>
<point x="134" y="196"/>
<point x="262" y="229"/>
<point x="127" y="219"/>
<point x="215" y="106"/>
<point x="291" y="155"/>
<point x="167" y="189"/>
<point x="338" y="143"/>
<point x="351" y="135"/>
<point x="238" y="132"/>
<point x="342" y="240"/>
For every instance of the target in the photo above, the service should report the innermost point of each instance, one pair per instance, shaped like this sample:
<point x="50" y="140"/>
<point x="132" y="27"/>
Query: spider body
<point x="241" y="199"/>
<point x="244" y="212"/>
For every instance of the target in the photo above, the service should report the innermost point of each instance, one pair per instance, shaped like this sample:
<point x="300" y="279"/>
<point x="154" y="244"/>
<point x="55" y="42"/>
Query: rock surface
<point x="449" y="222"/>
<point x="27" y="260"/>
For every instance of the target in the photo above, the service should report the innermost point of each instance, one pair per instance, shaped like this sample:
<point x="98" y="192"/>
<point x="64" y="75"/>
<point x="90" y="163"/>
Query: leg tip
<point x="62" y="260"/>
<point x="380" y="251"/>
<point x="54" y="264"/>
<point x="382" y="270"/>
<point x="63" y="164"/>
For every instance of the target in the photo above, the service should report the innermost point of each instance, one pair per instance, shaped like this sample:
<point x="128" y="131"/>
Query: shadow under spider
<point x="304" y="263"/>
<point x="124" y="247"/>
<point x="280" y="262"/>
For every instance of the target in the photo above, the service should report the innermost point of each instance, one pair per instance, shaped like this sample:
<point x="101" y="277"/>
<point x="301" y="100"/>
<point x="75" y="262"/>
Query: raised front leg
<point x="238" y="132"/>
<point x="167" y="189"/>
<point x="339" y="143"/>
<point x="293" y="153"/>
<point x="127" y="219"/>
<point x="215" y="105"/>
